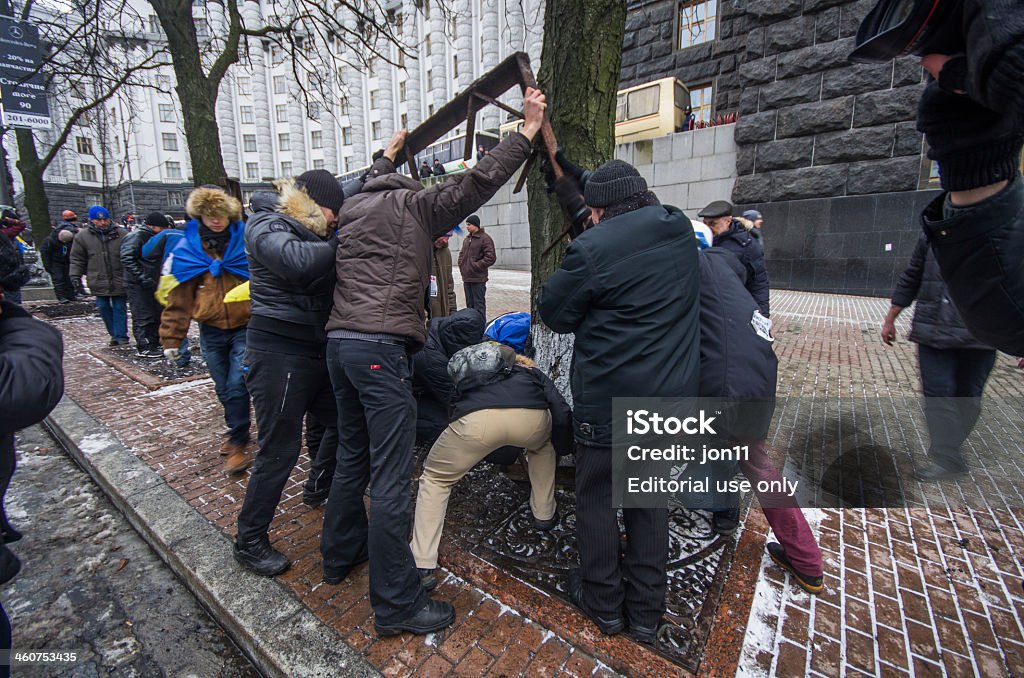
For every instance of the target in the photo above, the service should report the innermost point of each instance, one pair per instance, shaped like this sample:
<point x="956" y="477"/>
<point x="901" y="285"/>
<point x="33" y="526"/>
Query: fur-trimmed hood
<point x="213" y="202"/>
<point x="294" y="202"/>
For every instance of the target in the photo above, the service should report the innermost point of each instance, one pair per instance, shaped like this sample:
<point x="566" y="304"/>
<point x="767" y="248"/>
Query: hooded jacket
<point x="476" y="256"/>
<point x="290" y="247"/>
<point x="202" y="298"/>
<point x="745" y="246"/>
<point x="96" y="254"/>
<point x="628" y="288"/>
<point x="431" y="383"/>
<point x="53" y="253"/>
<point x="386" y="234"/>
<point x="138" y="271"/>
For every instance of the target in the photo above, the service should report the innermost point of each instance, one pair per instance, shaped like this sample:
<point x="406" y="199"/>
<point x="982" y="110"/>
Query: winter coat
<point x="745" y="246"/>
<point x="202" y="299"/>
<point x="31" y="369"/>
<point x="442" y="284"/>
<point x="96" y="254"/>
<point x="53" y="253"/>
<point x="936" y="322"/>
<point x="431" y="383"/>
<point x="163" y="243"/>
<point x="737" y="362"/>
<point x="290" y="247"/>
<point x="476" y="256"/>
<point x="138" y="271"/>
<point x="978" y="249"/>
<point x="628" y="288"/>
<point x="387" y="232"/>
<point x="524" y="388"/>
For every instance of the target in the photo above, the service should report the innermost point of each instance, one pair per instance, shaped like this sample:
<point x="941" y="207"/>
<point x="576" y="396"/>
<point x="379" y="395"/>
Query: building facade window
<point x="246" y="114"/>
<point x="166" y="112"/>
<point x="249" y="143"/>
<point x="154" y="23"/>
<point x="87" y="172"/>
<point x="280" y="85"/>
<point x="401" y="91"/>
<point x="281" y="112"/>
<point x="244" y="85"/>
<point x="346" y="136"/>
<point x="316" y="139"/>
<point x="318" y="164"/>
<point x="202" y="28"/>
<point x="313" y="110"/>
<point x="343" y="107"/>
<point x="374" y="99"/>
<point x="169" y="141"/>
<point x="163" y="82"/>
<point x="173" y="169"/>
<point x="175" y="198"/>
<point x="404" y="119"/>
<point x="252" y="170"/>
<point x="284" y="142"/>
<point x="701" y="101"/>
<point x="696" y="22"/>
<point x="83" y="145"/>
<point x="286" y="169"/>
<point x="376" y="130"/>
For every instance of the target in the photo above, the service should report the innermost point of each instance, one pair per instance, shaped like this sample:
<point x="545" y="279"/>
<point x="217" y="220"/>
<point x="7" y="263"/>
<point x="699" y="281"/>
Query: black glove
<point x="974" y="146"/>
<point x="146" y="282"/>
<point x="570" y="198"/>
<point x="568" y="168"/>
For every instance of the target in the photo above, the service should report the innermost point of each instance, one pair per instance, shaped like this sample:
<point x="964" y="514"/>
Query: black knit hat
<point x="473" y="219"/>
<point x="322" y="187"/>
<point x="613" y="182"/>
<point x="13" y="271"/>
<point x="156" y="219"/>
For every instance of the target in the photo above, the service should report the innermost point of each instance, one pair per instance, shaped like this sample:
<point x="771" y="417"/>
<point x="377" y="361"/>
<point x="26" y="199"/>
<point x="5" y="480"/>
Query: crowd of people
<point x="331" y="309"/>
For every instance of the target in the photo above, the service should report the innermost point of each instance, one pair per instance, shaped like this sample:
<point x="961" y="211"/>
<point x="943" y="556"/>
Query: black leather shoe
<point x="433" y="616"/>
<point x="725" y="523"/>
<point x="935" y="472"/>
<point x="9" y="565"/>
<point x="428" y="578"/>
<point x="648" y="635"/>
<point x="546" y="525"/>
<point x="260" y="557"/>
<point x="315" y="499"/>
<point x="336" y="575"/>
<point x="574" y="587"/>
<point x="804" y="581"/>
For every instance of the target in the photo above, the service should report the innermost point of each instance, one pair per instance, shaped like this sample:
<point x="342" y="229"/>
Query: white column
<point x="261" y="93"/>
<point x="386" y="94"/>
<point x="228" y="130"/>
<point x="516" y="43"/>
<point x="413" y="65"/>
<point x="439" y="71"/>
<point x="535" y="33"/>
<point x="329" y="123"/>
<point x="296" y="126"/>
<point x="489" y="26"/>
<point x="356" y="103"/>
<point x="464" y="42"/>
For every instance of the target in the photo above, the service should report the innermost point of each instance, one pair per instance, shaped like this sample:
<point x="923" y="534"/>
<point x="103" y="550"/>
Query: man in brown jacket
<point x="96" y="254"/>
<point x="385" y="237"/>
<point x="442" y="284"/>
<point x="476" y="256"/>
<point x="208" y="262"/>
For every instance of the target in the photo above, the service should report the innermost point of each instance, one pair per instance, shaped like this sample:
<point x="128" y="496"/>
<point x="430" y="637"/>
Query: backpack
<point x="510" y="329"/>
<point x="480" y="364"/>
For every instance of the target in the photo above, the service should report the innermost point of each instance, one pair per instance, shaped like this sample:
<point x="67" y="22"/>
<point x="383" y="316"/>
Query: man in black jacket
<point x="55" y="254"/>
<point x="290" y="244"/>
<point x="628" y="288"/>
<point x="954" y="365"/>
<point x="730" y="234"/>
<point x="141" y="277"/>
<point x="431" y="383"/>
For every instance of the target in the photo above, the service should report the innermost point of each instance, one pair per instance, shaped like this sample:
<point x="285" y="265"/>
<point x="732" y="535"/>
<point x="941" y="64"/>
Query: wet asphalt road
<point x="89" y="583"/>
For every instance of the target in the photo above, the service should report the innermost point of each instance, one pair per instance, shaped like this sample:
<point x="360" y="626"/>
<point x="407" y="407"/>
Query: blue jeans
<point x="224" y="351"/>
<point x="185" y="357"/>
<point x="114" y="311"/>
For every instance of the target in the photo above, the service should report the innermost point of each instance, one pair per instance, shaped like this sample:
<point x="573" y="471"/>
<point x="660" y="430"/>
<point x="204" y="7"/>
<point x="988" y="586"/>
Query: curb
<point x="277" y="632"/>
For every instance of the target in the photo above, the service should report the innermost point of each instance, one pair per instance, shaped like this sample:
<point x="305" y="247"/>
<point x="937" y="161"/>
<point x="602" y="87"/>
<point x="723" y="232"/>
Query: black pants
<point x="636" y="587"/>
<point x="476" y="297"/>
<point x="953" y="381"/>
<point x="283" y="388"/>
<point x="146" y="312"/>
<point x="62" y="285"/>
<point x="377" y="428"/>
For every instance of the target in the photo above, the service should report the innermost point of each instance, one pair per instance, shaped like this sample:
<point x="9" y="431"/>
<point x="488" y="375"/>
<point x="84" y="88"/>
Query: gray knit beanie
<point x="613" y="182"/>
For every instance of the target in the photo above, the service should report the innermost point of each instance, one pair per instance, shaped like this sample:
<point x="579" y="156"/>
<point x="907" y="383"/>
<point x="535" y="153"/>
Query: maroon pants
<point x="782" y="512"/>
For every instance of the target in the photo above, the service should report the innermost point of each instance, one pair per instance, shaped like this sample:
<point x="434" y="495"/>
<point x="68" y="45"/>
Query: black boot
<point x="433" y="616"/>
<point x="336" y="575"/>
<point x="574" y="587"/>
<point x="725" y="522"/>
<point x="260" y="557"/>
<point x="9" y="565"/>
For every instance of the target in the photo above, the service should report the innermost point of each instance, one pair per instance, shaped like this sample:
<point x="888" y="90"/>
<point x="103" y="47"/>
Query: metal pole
<point x="5" y="199"/>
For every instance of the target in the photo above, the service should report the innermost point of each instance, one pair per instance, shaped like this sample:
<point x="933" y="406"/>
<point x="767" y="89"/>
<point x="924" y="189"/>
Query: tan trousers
<point x="464" y="443"/>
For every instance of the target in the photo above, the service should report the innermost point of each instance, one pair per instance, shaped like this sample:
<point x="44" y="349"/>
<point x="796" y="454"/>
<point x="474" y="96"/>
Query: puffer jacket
<point x="936" y="322"/>
<point x="96" y="254"/>
<point x="745" y="246"/>
<point x="628" y="288"/>
<point x="476" y="256"/>
<point x="138" y="271"/>
<point x="290" y="247"/>
<point x="431" y="383"/>
<point x="386" y="234"/>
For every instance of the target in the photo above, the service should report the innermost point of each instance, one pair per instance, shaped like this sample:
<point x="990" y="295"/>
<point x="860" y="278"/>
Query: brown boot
<point x="238" y="459"/>
<point x="226" y="447"/>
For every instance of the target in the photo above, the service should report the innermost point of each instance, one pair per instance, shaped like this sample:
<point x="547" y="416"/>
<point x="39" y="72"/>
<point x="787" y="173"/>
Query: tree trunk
<point x="580" y="75"/>
<point x="36" y="203"/>
<point x="196" y="92"/>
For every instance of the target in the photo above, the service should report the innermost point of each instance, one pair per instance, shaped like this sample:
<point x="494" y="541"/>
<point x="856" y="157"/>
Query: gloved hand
<point x="974" y="146"/>
<point x="172" y="354"/>
<point x="569" y="168"/>
<point x="570" y="199"/>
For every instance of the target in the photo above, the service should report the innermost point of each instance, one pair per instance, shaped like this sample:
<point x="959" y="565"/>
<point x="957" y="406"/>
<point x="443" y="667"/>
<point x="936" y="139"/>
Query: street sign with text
<point x="22" y="88"/>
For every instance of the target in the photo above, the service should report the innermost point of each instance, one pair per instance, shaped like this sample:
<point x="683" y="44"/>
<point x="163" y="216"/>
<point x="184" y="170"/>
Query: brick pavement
<point x="924" y="589"/>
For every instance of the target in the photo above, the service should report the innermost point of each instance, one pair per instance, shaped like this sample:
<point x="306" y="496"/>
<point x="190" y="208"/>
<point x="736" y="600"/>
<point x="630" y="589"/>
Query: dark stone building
<point x="826" y="150"/>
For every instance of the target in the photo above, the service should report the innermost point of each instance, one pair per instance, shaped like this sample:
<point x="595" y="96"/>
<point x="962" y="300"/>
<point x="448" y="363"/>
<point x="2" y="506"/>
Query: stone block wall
<point x="649" y="50"/>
